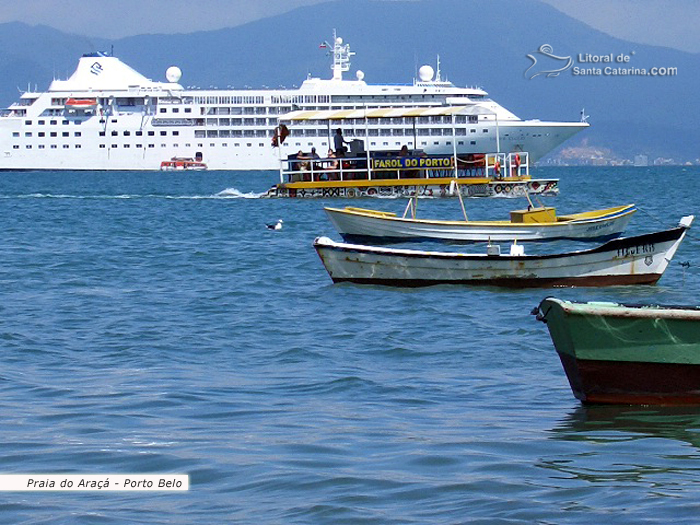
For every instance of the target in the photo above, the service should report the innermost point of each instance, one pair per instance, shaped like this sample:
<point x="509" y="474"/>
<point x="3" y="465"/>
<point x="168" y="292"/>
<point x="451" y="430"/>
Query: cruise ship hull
<point x="535" y="137"/>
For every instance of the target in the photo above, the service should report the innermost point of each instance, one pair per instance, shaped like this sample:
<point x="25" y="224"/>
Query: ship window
<point x="28" y="122"/>
<point x="77" y="146"/>
<point x="102" y="133"/>
<point x="29" y="146"/>
<point x="102" y="146"/>
<point x="174" y="145"/>
<point x="151" y="133"/>
<point x="127" y="133"/>
<point x="41" y="146"/>
<point x="473" y="143"/>
<point x="54" y="134"/>
<point x="139" y="145"/>
<point x="115" y="146"/>
<point x="176" y="133"/>
<point x="188" y="110"/>
<point x="460" y="143"/>
<point x="53" y="146"/>
<point x="65" y="122"/>
<point x="41" y="122"/>
<point x="472" y="131"/>
<point x="53" y="122"/>
<point x="151" y="145"/>
<point x="114" y="121"/>
<point x="176" y="110"/>
<point x="15" y="146"/>
<point x="163" y="133"/>
<point x="15" y="133"/>
<point x="42" y="134"/>
<point x="139" y="133"/>
<point x="162" y="110"/>
<point x="486" y="130"/>
<point x="115" y="133"/>
<point x="127" y="145"/>
<point x="28" y="134"/>
<point x="163" y="146"/>
<point x="65" y="134"/>
<point x="66" y="146"/>
<point x="449" y="143"/>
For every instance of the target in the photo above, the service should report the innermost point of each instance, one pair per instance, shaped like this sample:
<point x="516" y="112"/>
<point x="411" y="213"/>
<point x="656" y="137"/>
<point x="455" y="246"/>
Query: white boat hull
<point x="633" y="260"/>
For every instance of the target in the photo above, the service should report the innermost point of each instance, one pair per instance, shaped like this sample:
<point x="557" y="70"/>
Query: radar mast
<point x="341" y="56"/>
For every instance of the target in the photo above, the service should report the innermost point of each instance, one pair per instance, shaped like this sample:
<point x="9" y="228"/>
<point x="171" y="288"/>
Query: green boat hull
<point x="627" y="354"/>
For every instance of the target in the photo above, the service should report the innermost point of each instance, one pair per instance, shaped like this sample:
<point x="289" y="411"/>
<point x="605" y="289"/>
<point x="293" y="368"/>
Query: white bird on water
<point x="276" y="226"/>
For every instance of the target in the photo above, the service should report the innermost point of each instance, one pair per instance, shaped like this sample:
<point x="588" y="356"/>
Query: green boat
<point x="624" y="353"/>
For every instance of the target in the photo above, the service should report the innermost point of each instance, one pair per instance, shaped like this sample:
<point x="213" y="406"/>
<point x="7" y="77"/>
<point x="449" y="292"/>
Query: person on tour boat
<point x="339" y="142"/>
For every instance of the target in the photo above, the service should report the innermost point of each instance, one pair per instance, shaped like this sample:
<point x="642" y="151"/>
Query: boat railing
<point x="504" y="165"/>
<point x="385" y="165"/>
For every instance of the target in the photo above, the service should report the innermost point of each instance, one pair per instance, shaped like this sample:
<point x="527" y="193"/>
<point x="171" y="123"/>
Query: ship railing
<point x="391" y="165"/>
<point x="515" y="164"/>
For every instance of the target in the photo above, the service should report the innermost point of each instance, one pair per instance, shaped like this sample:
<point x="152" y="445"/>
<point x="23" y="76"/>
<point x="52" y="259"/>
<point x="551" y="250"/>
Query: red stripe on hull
<point x="603" y="280"/>
<point x="634" y="383"/>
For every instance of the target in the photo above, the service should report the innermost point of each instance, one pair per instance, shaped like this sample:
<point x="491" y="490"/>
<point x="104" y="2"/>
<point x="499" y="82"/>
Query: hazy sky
<point x="671" y="23"/>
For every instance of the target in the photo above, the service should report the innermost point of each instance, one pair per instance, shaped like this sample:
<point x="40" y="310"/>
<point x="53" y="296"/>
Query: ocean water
<point x="150" y="323"/>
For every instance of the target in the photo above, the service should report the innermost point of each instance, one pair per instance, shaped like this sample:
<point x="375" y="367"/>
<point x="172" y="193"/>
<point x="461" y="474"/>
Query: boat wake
<point x="233" y="193"/>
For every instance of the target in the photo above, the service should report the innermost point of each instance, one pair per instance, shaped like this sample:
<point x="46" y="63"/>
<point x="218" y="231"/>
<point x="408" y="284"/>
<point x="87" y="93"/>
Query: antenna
<point x="341" y="57"/>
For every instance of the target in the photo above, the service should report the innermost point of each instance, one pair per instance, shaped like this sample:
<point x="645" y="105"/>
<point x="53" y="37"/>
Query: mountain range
<point x="479" y="43"/>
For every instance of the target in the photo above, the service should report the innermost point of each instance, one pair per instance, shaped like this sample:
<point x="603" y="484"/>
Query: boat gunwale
<point x="606" y="214"/>
<point x="622" y="310"/>
<point x="670" y="235"/>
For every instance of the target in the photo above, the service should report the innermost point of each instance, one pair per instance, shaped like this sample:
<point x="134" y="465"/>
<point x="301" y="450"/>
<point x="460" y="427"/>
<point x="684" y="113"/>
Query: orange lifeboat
<point x="181" y="164"/>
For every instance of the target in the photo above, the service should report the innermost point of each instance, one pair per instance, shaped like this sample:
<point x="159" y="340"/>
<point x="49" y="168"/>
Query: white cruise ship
<point x="107" y="116"/>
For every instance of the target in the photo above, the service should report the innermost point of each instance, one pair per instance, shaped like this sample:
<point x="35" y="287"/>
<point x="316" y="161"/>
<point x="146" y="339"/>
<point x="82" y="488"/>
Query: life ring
<point x="498" y="188"/>
<point x="497" y="168"/>
<point x="351" y="193"/>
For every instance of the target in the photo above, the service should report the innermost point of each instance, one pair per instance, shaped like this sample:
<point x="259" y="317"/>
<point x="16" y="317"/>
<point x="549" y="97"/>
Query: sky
<point x="669" y="23"/>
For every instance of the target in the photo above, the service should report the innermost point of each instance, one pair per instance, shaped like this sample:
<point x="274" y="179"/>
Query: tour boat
<point x="407" y="173"/>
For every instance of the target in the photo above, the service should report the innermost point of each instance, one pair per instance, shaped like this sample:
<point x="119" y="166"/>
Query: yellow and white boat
<point x="532" y="224"/>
